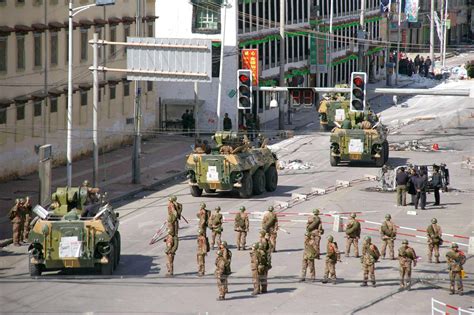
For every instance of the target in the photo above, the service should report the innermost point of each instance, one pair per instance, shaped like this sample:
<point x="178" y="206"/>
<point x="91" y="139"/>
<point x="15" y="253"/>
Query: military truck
<point x="353" y="142"/>
<point x="232" y="164"/>
<point x="333" y="109"/>
<point x="77" y="231"/>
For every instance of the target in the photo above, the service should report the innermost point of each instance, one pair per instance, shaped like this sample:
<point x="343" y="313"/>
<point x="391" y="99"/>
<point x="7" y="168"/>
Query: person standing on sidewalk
<point x="434" y="234"/>
<point x="406" y="256"/>
<point x="402" y="181"/>
<point x="17" y="217"/>
<point x="436" y="182"/>
<point x="241" y="226"/>
<point x="227" y="123"/>
<point x="28" y="215"/>
<point x="388" y="232"/>
<point x="353" y="230"/>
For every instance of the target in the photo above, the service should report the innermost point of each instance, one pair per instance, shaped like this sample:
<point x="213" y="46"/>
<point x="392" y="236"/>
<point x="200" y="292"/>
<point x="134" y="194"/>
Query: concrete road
<point x="139" y="285"/>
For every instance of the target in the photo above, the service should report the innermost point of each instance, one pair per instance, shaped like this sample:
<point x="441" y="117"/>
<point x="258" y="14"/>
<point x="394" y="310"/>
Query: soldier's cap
<point x="219" y="253"/>
<point x="316" y="211"/>
<point x="255" y="245"/>
<point x="454" y="245"/>
<point x="330" y="238"/>
<point x="405" y="242"/>
<point x="218" y="208"/>
<point x="270" y="208"/>
<point x="388" y="216"/>
<point x="353" y="215"/>
<point x="200" y="231"/>
<point x="368" y="239"/>
<point x="172" y="198"/>
<point x="224" y="243"/>
<point x="203" y="205"/>
<point x="262" y="232"/>
<point x="242" y="208"/>
<point x="86" y="183"/>
<point x="434" y="220"/>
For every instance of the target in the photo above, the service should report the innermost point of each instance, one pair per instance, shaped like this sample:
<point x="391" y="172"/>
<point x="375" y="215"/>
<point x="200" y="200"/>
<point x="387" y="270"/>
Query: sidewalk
<point x="162" y="160"/>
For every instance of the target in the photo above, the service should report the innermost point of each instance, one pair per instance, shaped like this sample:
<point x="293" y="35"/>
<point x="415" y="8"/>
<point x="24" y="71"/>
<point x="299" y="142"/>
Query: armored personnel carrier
<point x="360" y="137"/>
<point x="80" y="230"/>
<point x="232" y="164"/>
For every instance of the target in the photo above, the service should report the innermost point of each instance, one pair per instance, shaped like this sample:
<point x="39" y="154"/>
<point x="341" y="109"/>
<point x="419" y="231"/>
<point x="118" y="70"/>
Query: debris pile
<point x="414" y="145"/>
<point x="294" y="165"/>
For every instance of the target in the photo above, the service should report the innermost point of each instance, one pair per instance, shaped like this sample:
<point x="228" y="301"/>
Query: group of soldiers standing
<point x="21" y="215"/>
<point x="261" y="251"/>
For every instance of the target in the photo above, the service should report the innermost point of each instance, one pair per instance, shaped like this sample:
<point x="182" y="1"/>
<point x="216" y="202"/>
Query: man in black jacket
<point x="420" y="182"/>
<point x="402" y="180"/>
<point x="436" y="183"/>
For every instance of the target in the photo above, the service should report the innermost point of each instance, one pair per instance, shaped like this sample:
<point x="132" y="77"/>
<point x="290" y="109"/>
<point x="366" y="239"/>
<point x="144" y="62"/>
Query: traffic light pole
<point x="281" y="109"/>
<point x="361" y="44"/>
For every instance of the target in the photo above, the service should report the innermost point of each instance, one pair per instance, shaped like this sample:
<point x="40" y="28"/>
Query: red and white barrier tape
<point x="456" y="308"/>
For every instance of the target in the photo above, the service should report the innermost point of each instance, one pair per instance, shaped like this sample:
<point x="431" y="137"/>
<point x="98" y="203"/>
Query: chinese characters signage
<point x="250" y="61"/>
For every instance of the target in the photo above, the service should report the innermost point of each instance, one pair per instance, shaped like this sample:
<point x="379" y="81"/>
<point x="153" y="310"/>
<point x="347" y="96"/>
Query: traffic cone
<point x="435" y="147"/>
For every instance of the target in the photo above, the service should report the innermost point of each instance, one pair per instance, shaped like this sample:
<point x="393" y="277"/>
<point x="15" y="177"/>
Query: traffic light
<point x="358" y="83"/>
<point x="244" y="89"/>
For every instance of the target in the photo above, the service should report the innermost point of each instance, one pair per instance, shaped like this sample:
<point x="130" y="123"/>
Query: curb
<point x="6" y="242"/>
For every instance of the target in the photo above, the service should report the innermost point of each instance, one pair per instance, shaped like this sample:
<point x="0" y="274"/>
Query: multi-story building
<point x="33" y="79"/>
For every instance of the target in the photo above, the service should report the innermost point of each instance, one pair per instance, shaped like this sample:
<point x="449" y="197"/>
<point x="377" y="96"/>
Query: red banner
<point x="250" y="61"/>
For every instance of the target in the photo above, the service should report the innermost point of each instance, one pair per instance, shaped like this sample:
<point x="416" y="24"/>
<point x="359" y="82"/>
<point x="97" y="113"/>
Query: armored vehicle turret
<point x="232" y="164"/>
<point x="333" y="109"/>
<point x="79" y="230"/>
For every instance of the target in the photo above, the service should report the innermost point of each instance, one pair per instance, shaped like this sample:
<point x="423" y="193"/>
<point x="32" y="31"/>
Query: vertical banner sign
<point x="250" y="61"/>
<point x="411" y="10"/>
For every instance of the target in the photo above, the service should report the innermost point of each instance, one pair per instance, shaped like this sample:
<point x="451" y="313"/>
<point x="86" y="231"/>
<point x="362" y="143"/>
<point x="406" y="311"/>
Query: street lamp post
<point x="225" y="5"/>
<point x="72" y="13"/>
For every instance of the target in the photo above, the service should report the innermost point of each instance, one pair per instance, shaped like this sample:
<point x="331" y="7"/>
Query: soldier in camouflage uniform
<point x="171" y="242"/>
<point x="216" y="227"/>
<point x="203" y="216"/>
<point x="308" y="258"/>
<point x="17" y="217"/>
<point x="332" y="257"/>
<point x="315" y="227"/>
<point x="264" y="242"/>
<point x="455" y="259"/>
<point x="202" y="249"/>
<point x="221" y="276"/>
<point x="174" y="214"/>
<point x="241" y="226"/>
<point x="270" y="226"/>
<point x="227" y="254"/>
<point x="388" y="232"/>
<point x="264" y="265"/>
<point x="352" y="234"/>
<point x="28" y="215"/>
<point x="406" y="256"/>
<point x="254" y="267"/>
<point x="434" y="239"/>
<point x="368" y="261"/>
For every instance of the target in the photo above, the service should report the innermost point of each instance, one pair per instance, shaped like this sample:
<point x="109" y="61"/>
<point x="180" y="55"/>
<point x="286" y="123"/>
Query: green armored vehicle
<point x="360" y="137"/>
<point x="78" y="231"/>
<point x="233" y="164"/>
<point x="333" y="109"/>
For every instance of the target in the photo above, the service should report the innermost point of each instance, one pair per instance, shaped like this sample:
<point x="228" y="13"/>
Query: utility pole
<point x="398" y="40"/>
<point x="441" y="44"/>
<point x="281" y="110"/>
<point x="137" y="110"/>
<point x="445" y="31"/>
<point x="330" y="44"/>
<point x="95" y="104"/>
<point x="432" y="35"/>
<point x="221" y="69"/>
<point x="69" y="100"/>
<point x="45" y="107"/>
<point x="361" y="39"/>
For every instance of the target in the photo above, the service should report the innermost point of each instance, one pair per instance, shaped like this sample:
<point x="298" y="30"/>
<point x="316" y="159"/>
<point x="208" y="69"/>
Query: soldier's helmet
<point x="454" y="245"/>
<point x="353" y="215"/>
<point x="330" y="238"/>
<point x="172" y="198"/>
<point x="242" y="208"/>
<point x="270" y="208"/>
<point x="255" y="245"/>
<point x="203" y="205"/>
<point x="262" y="232"/>
<point x="388" y="216"/>
<point x="218" y="209"/>
<point x="86" y="183"/>
<point x="22" y="200"/>
<point x="434" y="221"/>
<point x="405" y="242"/>
<point x="368" y="239"/>
<point x="219" y="253"/>
<point x="200" y="231"/>
<point x="316" y="211"/>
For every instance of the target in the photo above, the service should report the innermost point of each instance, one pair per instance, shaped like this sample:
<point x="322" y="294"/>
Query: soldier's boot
<point x="408" y="285"/>
<point x="325" y="279"/>
<point x="437" y="259"/>
<point x="402" y="286"/>
<point x="264" y="288"/>
<point x="333" y="280"/>
<point x="373" y="284"/>
<point x="363" y="284"/>
<point x="451" y="290"/>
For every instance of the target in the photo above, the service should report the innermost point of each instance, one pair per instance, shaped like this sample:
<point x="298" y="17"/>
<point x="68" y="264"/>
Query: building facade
<point x="33" y="79"/>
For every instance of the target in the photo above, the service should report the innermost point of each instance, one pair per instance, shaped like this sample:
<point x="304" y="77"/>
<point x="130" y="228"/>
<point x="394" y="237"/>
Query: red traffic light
<point x="358" y="81"/>
<point x="244" y="78"/>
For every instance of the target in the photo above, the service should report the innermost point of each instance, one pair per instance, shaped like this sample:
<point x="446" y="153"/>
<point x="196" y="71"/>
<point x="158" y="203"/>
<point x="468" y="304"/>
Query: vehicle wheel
<point x="108" y="268"/>
<point x="334" y="160"/>
<point x="119" y="246"/>
<point x="271" y="178"/>
<point x="386" y="149"/>
<point x="35" y="269"/>
<point x="258" y="182"/>
<point x="247" y="186"/>
<point x="210" y="191"/>
<point x="196" y="191"/>
<point x="379" y="162"/>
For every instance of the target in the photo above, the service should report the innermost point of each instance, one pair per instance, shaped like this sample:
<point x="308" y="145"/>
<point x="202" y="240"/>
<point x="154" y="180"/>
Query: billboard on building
<point x="411" y="10"/>
<point x="250" y="61"/>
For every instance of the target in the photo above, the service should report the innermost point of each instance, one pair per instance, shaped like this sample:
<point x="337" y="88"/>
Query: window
<point x="37" y="48"/>
<point x="206" y="18"/>
<point x="216" y="60"/>
<point x="3" y="54"/>
<point x="126" y="88"/>
<point x="84" y="44"/>
<point x="149" y="86"/>
<point x="126" y="33"/>
<point x="112" y="91"/>
<point x="20" y="111"/>
<point x="99" y="99"/>
<point x="54" y="48"/>
<point x="66" y="46"/>
<point x="83" y="98"/>
<point x="113" y="38"/>
<point x="20" y="52"/>
<point x="150" y="29"/>
<point x="37" y="108"/>
<point x="3" y="115"/>
<point x="53" y="103"/>
<point x="20" y="2"/>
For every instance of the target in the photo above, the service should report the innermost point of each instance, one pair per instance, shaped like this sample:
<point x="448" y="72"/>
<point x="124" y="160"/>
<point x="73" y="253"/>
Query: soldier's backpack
<point x="375" y="252"/>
